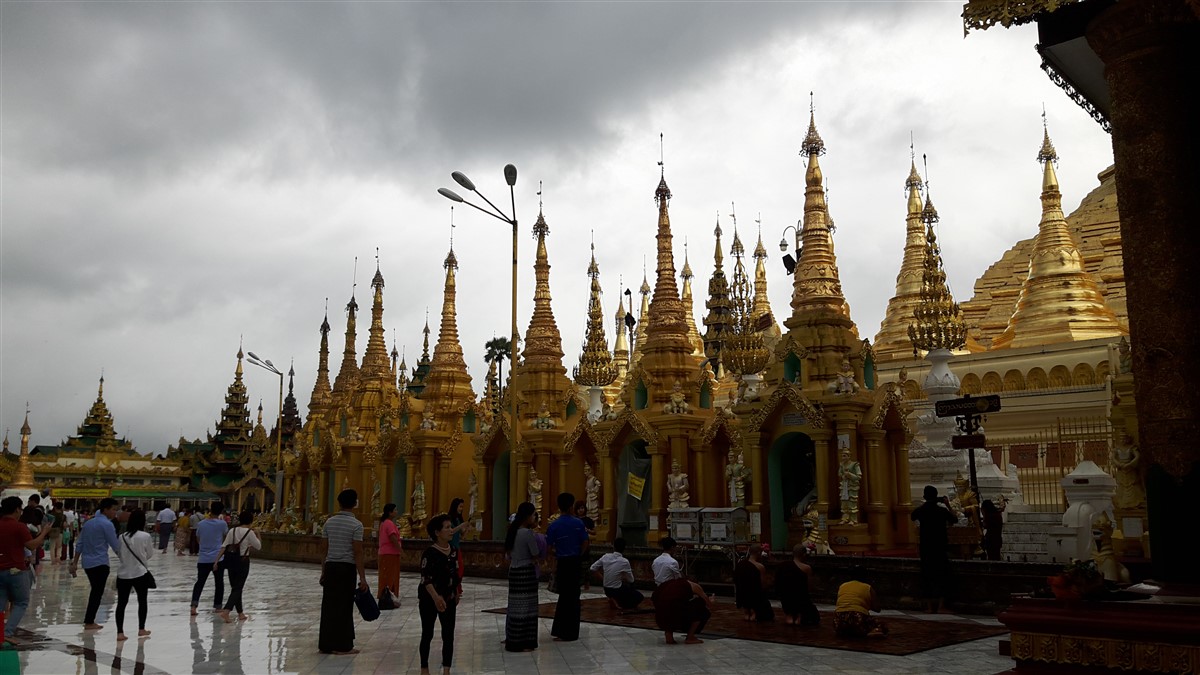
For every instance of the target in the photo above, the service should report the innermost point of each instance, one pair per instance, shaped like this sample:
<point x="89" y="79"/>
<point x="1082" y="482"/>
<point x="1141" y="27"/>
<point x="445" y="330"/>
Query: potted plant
<point x="1079" y="580"/>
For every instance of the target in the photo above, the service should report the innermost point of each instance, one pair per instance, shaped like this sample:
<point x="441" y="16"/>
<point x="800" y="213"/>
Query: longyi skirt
<point x="521" y="623"/>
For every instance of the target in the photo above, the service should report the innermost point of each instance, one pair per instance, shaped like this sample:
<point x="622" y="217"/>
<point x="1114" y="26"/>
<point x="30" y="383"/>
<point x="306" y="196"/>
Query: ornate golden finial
<point x="448" y="383"/>
<point x="321" y="389"/>
<point x="719" y="318"/>
<point x="892" y="340"/>
<point x="744" y="351"/>
<point x="686" y="274"/>
<point x="375" y="359"/>
<point x="662" y="195"/>
<point x="347" y="376"/>
<point x="1047" y="152"/>
<point x="812" y="146"/>
<point x="595" y="367"/>
<point x="451" y="259"/>
<point x="689" y="305"/>
<point x="425" y="339"/>
<point x="22" y="476"/>
<point x="939" y="323"/>
<point x="761" y="312"/>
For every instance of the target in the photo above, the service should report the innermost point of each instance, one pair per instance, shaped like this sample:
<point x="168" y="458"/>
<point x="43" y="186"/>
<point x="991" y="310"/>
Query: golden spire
<point x="347" y="375"/>
<point x="762" y="314"/>
<point x="491" y="393"/>
<point x="620" y="344"/>
<point x="1059" y="301"/>
<point x="425" y="340"/>
<point x="595" y="367"/>
<point x="448" y="381"/>
<point x="639" y="336"/>
<point x="375" y="359"/>
<point x="816" y="288"/>
<point x="543" y="342"/>
<point x="892" y="341"/>
<point x="665" y="309"/>
<point x="689" y="305"/>
<point x="22" y="476"/>
<point x="720" y="316"/>
<point x="938" y="319"/>
<point x="321" y="390"/>
<point x="745" y="352"/>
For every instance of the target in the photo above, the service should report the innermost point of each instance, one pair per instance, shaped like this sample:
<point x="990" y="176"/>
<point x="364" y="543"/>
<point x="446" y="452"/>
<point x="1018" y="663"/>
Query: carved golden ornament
<point x="983" y="14"/>
<point x="939" y="323"/>
<point x="371" y="455"/>
<point x="744" y="351"/>
<point x="1110" y="653"/>
<point x="709" y="433"/>
<point x="788" y="393"/>
<point x="582" y="428"/>
<point x="789" y="346"/>
<point x="635" y="422"/>
<point x="887" y="398"/>
<point x="446" y="450"/>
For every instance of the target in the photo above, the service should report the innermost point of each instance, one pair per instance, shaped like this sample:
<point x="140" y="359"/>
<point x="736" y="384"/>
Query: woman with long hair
<point x="390" y="548"/>
<point x="136" y="548"/>
<point x="439" y="592"/>
<point x="235" y="557"/>
<point x="521" y="622"/>
<point x="460" y="524"/>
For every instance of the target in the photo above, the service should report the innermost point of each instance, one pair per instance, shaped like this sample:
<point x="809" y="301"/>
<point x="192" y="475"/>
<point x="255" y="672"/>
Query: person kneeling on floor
<point x="855" y="601"/>
<point x="618" y="578"/>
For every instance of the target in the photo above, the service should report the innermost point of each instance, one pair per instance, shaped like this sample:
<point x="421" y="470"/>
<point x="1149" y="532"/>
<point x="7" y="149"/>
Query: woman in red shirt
<point x="390" y="548"/>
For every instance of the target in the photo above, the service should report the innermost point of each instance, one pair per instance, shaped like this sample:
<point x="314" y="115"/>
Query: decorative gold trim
<point x="785" y="392"/>
<point x="1150" y="657"/>
<point x="983" y="14"/>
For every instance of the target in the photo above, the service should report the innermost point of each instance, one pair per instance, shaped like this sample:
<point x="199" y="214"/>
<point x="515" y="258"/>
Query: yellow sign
<point x="636" y="486"/>
<point x="79" y="493"/>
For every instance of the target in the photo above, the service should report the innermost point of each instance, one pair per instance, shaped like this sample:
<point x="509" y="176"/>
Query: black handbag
<point x="387" y="602"/>
<point x="368" y="609"/>
<point x="150" y="582"/>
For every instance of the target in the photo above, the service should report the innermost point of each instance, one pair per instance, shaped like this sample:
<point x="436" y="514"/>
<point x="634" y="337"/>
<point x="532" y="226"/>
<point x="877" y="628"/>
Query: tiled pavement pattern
<point x="283" y="601"/>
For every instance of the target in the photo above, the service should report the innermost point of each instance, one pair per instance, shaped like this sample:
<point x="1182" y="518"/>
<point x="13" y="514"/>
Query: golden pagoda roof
<point x="448" y="382"/>
<point x="595" y="367"/>
<point x="892" y="341"/>
<point x="375" y="359"/>
<point x="543" y="342"/>
<point x="763" y="317"/>
<point x="1059" y="299"/>
<point x="689" y="305"/>
<point x="720" y="315"/>
<point x="744" y="351"/>
<point x="347" y="375"/>
<point x="938" y="320"/>
<point x="321" y="388"/>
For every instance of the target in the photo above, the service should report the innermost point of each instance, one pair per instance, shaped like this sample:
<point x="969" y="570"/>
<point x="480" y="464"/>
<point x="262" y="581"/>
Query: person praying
<point x="618" y="578"/>
<point x="749" y="582"/>
<point x="794" y="582"/>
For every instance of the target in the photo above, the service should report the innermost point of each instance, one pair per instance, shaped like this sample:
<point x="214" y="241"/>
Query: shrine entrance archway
<point x="791" y="471"/>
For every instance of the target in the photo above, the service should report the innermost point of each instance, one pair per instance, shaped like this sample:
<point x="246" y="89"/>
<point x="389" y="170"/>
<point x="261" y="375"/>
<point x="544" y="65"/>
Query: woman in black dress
<point x="440" y="589"/>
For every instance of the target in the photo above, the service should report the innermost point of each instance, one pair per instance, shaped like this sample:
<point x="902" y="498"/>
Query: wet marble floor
<point x="283" y="601"/>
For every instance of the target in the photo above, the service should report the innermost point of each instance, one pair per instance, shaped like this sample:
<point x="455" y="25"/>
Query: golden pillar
<point x="354" y="475"/>
<point x="824" y="477"/>
<point x="608" y="511"/>
<point x="322" y="491"/>
<point x="442" y="503"/>
<point x="879" y="488"/>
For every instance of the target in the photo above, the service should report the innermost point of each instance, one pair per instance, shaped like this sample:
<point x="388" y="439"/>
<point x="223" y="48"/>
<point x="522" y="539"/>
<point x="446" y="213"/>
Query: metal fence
<point x="1044" y="458"/>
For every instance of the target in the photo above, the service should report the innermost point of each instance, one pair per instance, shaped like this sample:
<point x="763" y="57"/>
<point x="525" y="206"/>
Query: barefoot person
<point x="665" y="566"/>
<point x="569" y="539"/>
<point x="132" y="574"/>
<point x="855" y="602"/>
<point x="794" y="582"/>
<point x="234" y="556"/>
<point x="15" y="577"/>
<point x="210" y="532"/>
<point x="341" y="557"/>
<point x="97" y="536"/>
<point x="440" y="590"/>
<point x="680" y="606"/>
<point x="749" y="582"/>
<point x="618" y="578"/>
<point x="521" y="619"/>
<point x="390" y="548"/>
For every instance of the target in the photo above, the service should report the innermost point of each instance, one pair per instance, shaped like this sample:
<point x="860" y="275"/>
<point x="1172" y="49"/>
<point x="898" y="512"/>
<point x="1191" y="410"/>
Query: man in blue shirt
<point x="97" y="536"/>
<point x="210" y="533"/>
<point x="567" y="537"/>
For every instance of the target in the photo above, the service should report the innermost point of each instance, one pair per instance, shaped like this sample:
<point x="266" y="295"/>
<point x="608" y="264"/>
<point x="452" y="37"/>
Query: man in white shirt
<point x="665" y="566"/>
<point x="618" y="578"/>
<point x="165" y="521"/>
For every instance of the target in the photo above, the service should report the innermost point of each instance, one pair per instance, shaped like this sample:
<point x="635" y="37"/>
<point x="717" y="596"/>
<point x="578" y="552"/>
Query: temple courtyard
<point x="283" y="601"/>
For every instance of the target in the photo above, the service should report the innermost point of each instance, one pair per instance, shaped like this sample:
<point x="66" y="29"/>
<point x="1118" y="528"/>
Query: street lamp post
<point x="789" y="262"/>
<point x="266" y="364"/>
<point x="510" y="177"/>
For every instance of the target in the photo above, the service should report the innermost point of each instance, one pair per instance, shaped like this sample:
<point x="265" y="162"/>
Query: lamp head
<point x="783" y="245"/>
<point x="252" y="355"/>
<point x="461" y="178"/>
<point x="789" y="263"/>
<point x="450" y="194"/>
<point x="510" y="175"/>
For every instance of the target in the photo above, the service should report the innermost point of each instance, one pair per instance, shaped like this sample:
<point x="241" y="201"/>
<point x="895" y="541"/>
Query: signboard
<point x="718" y="531"/>
<point x="79" y="493"/>
<point x="636" y="485"/>
<point x="968" y="441"/>
<point x="967" y="405"/>
<point x="794" y="419"/>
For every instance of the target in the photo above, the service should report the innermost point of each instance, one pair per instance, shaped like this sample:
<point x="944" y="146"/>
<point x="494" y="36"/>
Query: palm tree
<point x="498" y="349"/>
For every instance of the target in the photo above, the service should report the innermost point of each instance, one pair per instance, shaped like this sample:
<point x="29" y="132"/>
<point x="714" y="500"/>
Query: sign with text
<point x="968" y="441"/>
<point x="967" y="405"/>
<point x="637" y="484"/>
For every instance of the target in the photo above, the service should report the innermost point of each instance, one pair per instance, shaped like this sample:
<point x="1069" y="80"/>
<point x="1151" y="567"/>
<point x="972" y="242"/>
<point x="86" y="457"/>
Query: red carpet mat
<point x="907" y="636"/>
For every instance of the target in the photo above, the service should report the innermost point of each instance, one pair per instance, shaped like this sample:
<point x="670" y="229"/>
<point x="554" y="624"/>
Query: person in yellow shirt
<point x="183" y="532"/>
<point x="855" y="601"/>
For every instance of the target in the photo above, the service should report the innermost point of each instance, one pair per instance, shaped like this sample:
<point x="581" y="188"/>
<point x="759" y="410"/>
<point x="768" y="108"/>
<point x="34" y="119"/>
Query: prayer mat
<point x="906" y="635"/>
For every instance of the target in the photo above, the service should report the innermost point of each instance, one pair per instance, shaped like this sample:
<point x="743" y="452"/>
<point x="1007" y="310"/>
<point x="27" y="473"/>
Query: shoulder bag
<point x="150" y="582"/>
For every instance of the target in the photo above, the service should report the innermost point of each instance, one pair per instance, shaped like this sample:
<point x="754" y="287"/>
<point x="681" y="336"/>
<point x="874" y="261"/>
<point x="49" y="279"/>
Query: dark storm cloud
<point x="153" y="89"/>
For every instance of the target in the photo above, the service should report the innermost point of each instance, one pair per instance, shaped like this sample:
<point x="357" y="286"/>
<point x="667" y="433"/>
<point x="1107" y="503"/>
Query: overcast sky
<point x="177" y="176"/>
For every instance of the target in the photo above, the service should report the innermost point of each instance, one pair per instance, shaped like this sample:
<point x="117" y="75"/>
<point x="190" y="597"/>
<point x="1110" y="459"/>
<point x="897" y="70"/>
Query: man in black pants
<point x="97" y="536"/>
<point x="567" y="537"/>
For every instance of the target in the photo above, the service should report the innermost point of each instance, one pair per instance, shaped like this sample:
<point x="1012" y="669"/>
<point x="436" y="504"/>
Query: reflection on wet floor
<point x="283" y="601"/>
